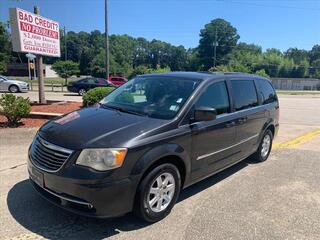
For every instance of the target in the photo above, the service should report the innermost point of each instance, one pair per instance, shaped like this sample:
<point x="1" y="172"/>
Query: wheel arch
<point x="268" y="125"/>
<point x="13" y="84"/>
<point x="168" y="153"/>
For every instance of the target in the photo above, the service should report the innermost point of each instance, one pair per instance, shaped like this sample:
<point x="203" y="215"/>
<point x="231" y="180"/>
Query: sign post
<point x="31" y="57"/>
<point x="35" y="34"/>
<point x="42" y="98"/>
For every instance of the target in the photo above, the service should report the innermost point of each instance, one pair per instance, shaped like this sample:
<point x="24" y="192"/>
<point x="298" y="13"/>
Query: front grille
<point x="47" y="156"/>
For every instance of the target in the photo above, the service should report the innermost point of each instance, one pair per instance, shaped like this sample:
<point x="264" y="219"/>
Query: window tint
<point x="266" y="91"/>
<point x="244" y="94"/>
<point x="156" y="97"/>
<point x="215" y="96"/>
<point x="89" y="81"/>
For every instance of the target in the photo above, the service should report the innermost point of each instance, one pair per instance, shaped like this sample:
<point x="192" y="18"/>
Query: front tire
<point x="81" y="92"/>
<point x="265" y="146"/>
<point x="158" y="193"/>
<point x="13" y="89"/>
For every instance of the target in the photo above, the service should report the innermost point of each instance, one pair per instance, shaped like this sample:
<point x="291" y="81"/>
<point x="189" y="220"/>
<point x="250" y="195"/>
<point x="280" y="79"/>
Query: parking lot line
<point x="299" y="140"/>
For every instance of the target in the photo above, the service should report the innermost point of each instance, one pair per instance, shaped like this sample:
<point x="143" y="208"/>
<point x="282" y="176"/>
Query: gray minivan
<point x="150" y="138"/>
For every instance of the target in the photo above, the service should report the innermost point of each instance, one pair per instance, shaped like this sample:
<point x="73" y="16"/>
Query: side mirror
<point x="204" y="114"/>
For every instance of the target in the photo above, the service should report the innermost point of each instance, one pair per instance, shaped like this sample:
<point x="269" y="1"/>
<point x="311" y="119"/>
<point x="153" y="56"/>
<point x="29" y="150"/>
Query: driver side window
<point x="215" y="96"/>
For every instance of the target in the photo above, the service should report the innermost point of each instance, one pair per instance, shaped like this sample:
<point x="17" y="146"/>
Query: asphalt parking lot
<point x="277" y="199"/>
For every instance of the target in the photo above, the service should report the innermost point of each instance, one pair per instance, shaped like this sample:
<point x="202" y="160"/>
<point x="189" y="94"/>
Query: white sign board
<point x="34" y="34"/>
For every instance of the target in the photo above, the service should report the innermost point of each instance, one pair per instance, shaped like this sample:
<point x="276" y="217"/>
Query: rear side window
<point x="266" y="91"/>
<point x="215" y="96"/>
<point x="244" y="94"/>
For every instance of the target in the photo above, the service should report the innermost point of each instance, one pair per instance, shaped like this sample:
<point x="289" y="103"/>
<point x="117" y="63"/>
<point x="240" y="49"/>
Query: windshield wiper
<point x="120" y="109"/>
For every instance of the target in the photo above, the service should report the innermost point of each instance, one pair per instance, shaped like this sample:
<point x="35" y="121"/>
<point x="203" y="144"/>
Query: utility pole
<point x="65" y="44"/>
<point x="106" y="37"/>
<point x="39" y="63"/>
<point x="215" y="48"/>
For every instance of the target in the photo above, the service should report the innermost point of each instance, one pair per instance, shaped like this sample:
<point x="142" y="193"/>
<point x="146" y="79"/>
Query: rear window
<point x="244" y="94"/>
<point x="266" y="91"/>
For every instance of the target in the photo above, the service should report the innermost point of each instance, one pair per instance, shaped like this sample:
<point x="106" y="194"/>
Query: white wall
<point x="50" y="73"/>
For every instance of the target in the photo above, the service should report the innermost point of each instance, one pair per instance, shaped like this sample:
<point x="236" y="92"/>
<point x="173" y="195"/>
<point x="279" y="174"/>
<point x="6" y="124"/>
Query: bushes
<point x="95" y="95"/>
<point x="262" y="73"/>
<point x="14" y="108"/>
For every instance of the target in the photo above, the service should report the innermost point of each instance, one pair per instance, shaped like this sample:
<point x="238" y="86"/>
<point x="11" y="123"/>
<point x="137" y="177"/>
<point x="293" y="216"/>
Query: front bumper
<point x="24" y="88"/>
<point x="91" y="198"/>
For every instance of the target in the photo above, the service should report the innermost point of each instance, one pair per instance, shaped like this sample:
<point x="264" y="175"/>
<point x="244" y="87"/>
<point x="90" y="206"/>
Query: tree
<point x="297" y="55"/>
<point x="122" y="49"/>
<point x="221" y="33"/>
<point x="314" y="54"/>
<point x="65" y="69"/>
<point x="5" y="48"/>
<point x="316" y="68"/>
<point x="262" y="73"/>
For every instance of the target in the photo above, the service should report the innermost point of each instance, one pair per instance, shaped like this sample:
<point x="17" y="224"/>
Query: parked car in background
<point x="84" y="85"/>
<point x="117" y="80"/>
<point x="12" y="86"/>
<point x="138" y="149"/>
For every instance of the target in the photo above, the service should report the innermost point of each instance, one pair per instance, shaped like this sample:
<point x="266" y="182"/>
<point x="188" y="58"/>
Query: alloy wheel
<point x="13" y="89"/>
<point x="161" y="192"/>
<point x="266" y="143"/>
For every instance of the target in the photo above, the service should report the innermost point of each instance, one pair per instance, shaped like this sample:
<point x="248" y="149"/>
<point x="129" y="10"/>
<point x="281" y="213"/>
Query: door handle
<point x="230" y="124"/>
<point x="242" y="120"/>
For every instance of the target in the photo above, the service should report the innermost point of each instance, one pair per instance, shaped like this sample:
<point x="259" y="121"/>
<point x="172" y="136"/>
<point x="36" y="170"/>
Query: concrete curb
<point x="43" y="115"/>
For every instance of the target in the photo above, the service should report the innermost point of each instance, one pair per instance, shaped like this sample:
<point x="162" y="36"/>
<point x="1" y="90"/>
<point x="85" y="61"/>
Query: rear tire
<point x="81" y="92"/>
<point x="265" y="146"/>
<point x="157" y="193"/>
<point x="13" y="89"/>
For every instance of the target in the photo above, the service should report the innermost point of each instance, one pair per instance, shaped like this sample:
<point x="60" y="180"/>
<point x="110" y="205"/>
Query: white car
<point x="13" y="86"/>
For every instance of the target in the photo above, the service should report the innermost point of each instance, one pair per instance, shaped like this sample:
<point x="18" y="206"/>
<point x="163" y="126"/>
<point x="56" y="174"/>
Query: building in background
<point x="296" y="83"/>
<point x="21" y="70"/>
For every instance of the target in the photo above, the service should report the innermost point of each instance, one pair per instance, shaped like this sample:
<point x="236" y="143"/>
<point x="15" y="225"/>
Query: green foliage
<point x="95" y="95"/>
<point x="97" y="66"/>
<point x="144" y="70"/>
<point x="220" y="68"/>
<point x="314" y="54"/>
<point x="131" y="56"/>
<point x="14" y="108"/>
<point x="316" y="68"/>
<point x="65" y="69"/>
<point x="262" y="73"/>
<point x="4" y="59"/>
<point x="5" y="48"/>
<point x="220" y="33"/>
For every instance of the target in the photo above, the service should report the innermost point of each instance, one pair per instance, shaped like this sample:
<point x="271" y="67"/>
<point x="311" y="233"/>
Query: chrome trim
<point x="224" y="149"/>
<point x="50" y="146"/>
<point x="89" y="205"/>
<point x="53" y="146"/>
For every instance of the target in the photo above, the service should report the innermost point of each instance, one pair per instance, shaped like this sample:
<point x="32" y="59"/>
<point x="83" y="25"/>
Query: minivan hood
<point x="97" y="127"/>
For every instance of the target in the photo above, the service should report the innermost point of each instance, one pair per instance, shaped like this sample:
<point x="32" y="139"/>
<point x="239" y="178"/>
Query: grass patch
<point x="47" y="80"/>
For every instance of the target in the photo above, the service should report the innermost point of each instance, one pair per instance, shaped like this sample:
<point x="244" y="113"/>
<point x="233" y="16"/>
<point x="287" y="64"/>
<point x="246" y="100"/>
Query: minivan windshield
<point x="156" y="97"/>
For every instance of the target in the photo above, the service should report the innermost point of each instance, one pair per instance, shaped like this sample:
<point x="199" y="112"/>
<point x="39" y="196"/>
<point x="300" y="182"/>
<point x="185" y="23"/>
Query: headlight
<point x="102" y="159"/>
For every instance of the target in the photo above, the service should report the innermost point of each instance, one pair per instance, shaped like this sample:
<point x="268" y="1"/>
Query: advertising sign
<point x="34" y="34"/>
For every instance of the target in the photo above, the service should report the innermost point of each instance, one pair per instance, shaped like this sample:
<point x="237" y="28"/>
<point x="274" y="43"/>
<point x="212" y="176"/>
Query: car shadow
<point x="40" y="217"/>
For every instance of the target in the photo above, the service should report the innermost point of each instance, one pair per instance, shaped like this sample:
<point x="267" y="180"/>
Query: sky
<point x="269" y="23"/>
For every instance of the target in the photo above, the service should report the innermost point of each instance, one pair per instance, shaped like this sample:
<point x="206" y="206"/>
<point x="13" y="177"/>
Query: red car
<point x="117" y="80"/>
